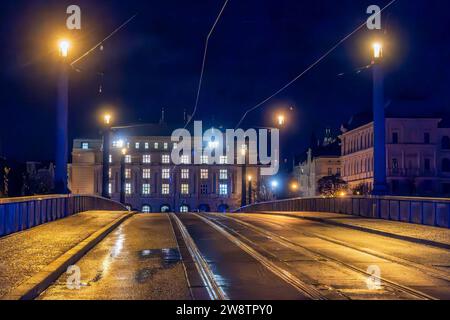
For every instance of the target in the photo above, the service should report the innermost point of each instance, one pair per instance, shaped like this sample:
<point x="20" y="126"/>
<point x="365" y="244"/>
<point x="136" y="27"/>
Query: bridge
<point x="86" y="247"/>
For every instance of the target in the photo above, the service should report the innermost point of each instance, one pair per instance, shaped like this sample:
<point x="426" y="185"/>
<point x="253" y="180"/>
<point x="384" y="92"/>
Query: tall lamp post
<point x="61" y="158"/>
<point x="122" y="176"/>
<point x="106" y="153"/>
<point x="244" y="176"/>
<point x="379" y="175"/>
<point x="250" y="189"/>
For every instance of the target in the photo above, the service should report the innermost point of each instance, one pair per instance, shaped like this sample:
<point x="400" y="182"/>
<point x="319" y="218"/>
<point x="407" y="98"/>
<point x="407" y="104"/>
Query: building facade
<point x="152" y="182"/>
<point x="417" y="156"/>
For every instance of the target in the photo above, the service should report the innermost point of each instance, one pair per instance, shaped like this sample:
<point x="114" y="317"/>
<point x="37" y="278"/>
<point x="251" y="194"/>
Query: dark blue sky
<point x="258" y="46"/>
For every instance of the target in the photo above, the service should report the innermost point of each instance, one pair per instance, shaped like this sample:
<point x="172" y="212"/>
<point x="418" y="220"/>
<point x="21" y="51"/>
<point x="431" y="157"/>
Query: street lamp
<point x="281" y="120"/>
<point x="244" y="176"/>
<point x="106" y="152"/>
<point x="249" y="178"/>
<point x="379" y="125"/>
<point x="61" y="158"/>
<point x="122" y="175"/>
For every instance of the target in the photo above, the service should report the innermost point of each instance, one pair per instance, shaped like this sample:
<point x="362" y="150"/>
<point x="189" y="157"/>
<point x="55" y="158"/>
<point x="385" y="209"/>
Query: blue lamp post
<point x="379" y="124"/>
<point x="61" y="158"/>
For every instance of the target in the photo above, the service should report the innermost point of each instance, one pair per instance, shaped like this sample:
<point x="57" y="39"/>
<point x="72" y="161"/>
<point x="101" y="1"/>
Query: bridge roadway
<point x="237" y="256"/>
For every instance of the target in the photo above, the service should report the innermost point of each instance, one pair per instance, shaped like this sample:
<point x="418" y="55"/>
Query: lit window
<point x="146" y="209"/>
<point x="110" y="188"/>
<point x="146" y="158"/>
<point x="110" y="158"/>
<point x="156" y="145"/>
<point x="223" y="160"/>
<point x="204" y="174"/>
<point x="175" y="145"/>
<point x="146" y="145"/>
<point x="127" y="173"/>
<point x="184" y="188"/>
<point x="146" y="173"/>
<point x="185" y="159"/>
<point x="137" y="145"/>
<point x="166" y="173"/>
<point x="166" y="145"/>
<point x="110" y="173"/>
<point x="85" y="145"/>
<point x="184" y="209"/>
<point x="165" y="158"/>
<point x="127" y="188"/>
<point x="204" y="159"/>
<point x="146" y="188"/>
<point x="223" y="174"/>
<point x="223" y="189"/>
<point x="128" y="158"/>
<point x="184" y="173"/>
<point x="165" y="188"/>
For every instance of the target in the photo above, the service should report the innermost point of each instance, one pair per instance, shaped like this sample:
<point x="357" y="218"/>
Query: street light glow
<point x="294" y="186"/>
<point x="249" y="178"/>
<point x="281" y="120"/>
<point x="124" y="151"/>
<point x="377" y="50"/>
<point x="107" y="118"/>
<point x="64" y="46"/>
<point x="274" y="184"/>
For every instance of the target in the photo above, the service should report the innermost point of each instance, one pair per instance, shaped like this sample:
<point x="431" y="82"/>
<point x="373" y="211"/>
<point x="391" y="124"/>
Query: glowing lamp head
<point x="342" y="194"/>
<point x="244" y="150"/>
<point x="281" y="120"/>
<point x="377" y="50"/>
<point x="64" y="47"/>
<point x="124" y="151"/>
<point x="107" y="118"/>
<point x="250" y="178"/>
<point x="274" y="184"/>
<point x="294" y="186"/>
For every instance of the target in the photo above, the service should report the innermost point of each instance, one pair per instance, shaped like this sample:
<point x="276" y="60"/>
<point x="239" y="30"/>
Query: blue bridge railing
<point x="425" y="211"/>
<point x="18" y="214"/>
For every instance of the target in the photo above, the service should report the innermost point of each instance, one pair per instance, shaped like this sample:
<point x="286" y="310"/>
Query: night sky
<point x="258" y="46"/>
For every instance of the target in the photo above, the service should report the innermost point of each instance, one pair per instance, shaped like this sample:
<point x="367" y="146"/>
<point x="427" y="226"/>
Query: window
<point x="165" y="189"/>
<point x="184" y="188"/>
<point x="146" y="208"/>
<point x="127" y="188"/>
<point x="330" y="171"/>
<point x="445" y="143"/>
<point x="204" y="159"/>
<point x="110" y="188"/>
<point x="184" y="173"/>
<point x="185" y="159"/>
<point x="184" y="209"/>
<point x="146" y="173"/>
<point x="395" y="137"/>
<point x="127" y="173"/>
<point x="203" y="189"/>
<point x="166" y="145"/>
<point x="165" y="173"/>
<point x="223" y="189"/>
<point x="223" y="174"/>
<point x="146" y="189"/>
<point x="110" y="158"/>
<point x="146" y="145"/>
<point x="338" y="171"/>
<point x="165" y="158"/>
<point x="146" y="158"/>
<point x="137" y="145"/>
<point x="109" y="173"/>
<point x="156" y="145"/>
<point x="445" y="165"/>
<point x="203" y="173"/>
<point x="426" y="138"/>
<point x="223" y="160"/>
<point x="427" y="165"/>
<point x="128" y="158"/>
<point x="85" y="145"/>
<point x="394" y="163"/>
<point x="175" y="145"/>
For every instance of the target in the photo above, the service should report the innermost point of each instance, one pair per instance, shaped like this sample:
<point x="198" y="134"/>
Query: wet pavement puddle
<point x="169" y="258"/>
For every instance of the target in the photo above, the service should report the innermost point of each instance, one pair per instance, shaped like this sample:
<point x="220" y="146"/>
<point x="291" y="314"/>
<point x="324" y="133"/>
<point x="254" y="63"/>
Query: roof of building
<point x="329" y="150"/>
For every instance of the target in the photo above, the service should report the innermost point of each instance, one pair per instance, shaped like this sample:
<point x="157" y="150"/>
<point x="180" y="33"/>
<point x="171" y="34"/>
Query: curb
<point x="35" y="285"/>
<point x="365" y="229"/>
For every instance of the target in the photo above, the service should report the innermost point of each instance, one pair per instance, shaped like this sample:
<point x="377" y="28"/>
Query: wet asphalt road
<point x="137" y="261"/>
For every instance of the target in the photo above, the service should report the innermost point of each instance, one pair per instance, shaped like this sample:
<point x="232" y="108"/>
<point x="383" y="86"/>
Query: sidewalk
<point x="24" y="254"/>
<point x="438" y="237"/>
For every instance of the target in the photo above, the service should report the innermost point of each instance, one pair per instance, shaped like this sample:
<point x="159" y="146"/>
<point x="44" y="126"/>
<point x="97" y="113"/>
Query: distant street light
<point x="379" y="125"/>
<point x="281" y="120"/>
<point x="294" y="186"/>
<point x="62" y="111"/>
<point x="250" y="178"/>
<point x="106" y="153"/>
<point x="244" y="176"/>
